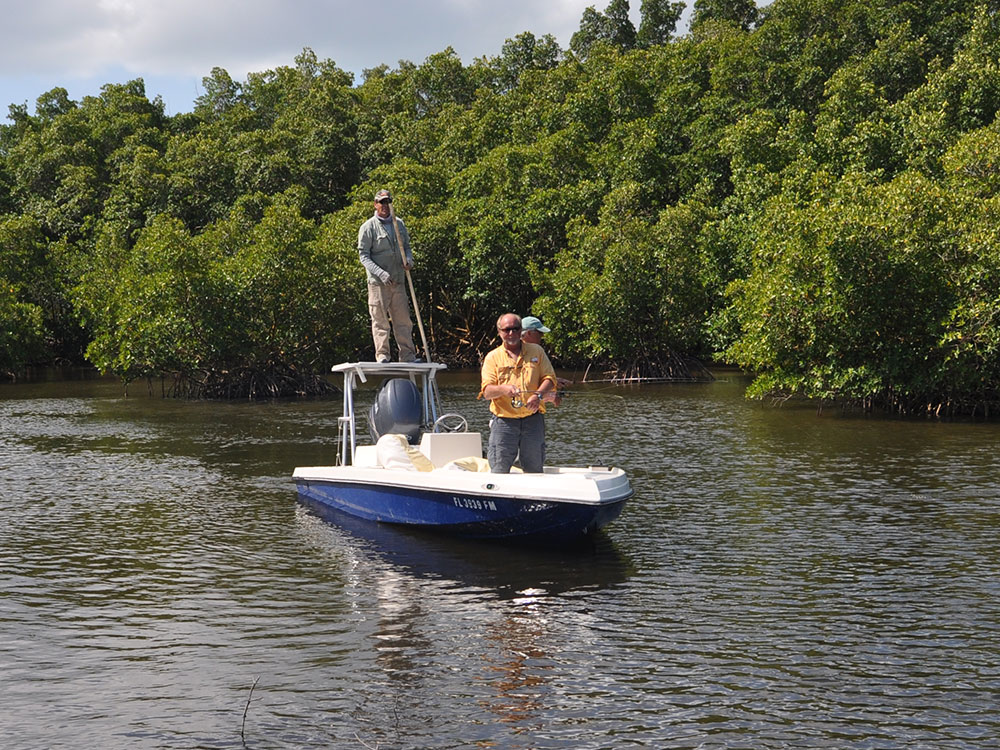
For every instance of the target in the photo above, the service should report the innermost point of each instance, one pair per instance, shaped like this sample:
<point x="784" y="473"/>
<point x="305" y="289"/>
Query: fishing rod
<point x="580" y="392"/>
<point x="517" y="400"/>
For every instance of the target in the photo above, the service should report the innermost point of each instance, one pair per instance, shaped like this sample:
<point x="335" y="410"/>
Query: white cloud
<point x="188" y="36"/>
<point x="83" y="44"/>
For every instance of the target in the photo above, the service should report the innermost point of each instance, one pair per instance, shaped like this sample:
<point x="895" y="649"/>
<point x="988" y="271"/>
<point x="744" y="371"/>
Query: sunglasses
<point x="383" y="201"/>
<point x="511" y="329"/>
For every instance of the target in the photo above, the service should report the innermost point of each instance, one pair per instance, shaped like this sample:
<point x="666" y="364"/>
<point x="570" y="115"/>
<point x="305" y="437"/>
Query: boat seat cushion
<point x="469" y="463"/>
<point x="395" y="452"/>
<point x="474" y="463"/>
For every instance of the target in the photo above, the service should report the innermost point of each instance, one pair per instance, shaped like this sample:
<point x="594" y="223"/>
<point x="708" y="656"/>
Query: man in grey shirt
<point x="387" y="302"/>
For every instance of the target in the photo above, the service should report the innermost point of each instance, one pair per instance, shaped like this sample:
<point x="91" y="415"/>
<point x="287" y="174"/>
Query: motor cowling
<point x="397" y="409"/>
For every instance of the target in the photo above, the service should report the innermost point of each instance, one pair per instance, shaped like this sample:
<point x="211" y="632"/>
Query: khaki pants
<point x="387" y="304"/>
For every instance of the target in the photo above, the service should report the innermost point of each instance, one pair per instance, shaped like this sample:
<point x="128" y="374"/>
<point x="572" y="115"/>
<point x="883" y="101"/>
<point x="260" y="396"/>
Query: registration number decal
<point x="472" y="503"/>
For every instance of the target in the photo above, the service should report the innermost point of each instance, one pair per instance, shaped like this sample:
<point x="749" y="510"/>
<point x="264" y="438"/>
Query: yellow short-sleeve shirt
<point x="526" y="371"/>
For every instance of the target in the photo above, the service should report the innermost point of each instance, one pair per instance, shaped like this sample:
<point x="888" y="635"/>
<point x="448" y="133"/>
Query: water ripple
<point x="782" y="578"/>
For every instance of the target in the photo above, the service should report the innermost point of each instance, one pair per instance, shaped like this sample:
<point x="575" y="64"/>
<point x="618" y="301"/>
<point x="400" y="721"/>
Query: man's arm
<point x="365" y="244"/>
<point x="499" y="391"/>
<point x="490" y="388"/>
<point x="544" y="388"/>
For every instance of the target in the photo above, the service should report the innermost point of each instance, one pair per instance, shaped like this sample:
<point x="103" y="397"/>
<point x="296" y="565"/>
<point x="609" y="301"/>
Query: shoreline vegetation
<point x="319" y="386"/>
<point x="808" y="191"/>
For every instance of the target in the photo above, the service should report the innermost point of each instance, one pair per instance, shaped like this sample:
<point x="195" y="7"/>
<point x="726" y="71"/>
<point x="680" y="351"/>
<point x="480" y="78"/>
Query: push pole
<point x="409" y="280"/>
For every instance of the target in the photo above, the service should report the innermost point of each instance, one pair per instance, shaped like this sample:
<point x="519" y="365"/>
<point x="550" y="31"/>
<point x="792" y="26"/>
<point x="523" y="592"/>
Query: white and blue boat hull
<point x="563" y="503"/>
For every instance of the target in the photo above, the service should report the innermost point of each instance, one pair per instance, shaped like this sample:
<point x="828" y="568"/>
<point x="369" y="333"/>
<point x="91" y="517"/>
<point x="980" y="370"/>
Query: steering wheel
<point x="451" y="423"/>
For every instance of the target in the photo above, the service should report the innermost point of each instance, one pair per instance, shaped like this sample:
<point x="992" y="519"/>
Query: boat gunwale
<point x="478" y="484"/>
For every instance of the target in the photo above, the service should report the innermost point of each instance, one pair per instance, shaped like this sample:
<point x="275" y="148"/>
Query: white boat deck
<point x="581" y="485"/>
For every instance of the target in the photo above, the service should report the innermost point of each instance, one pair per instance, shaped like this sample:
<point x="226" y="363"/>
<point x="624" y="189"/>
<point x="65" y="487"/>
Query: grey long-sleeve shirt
<point x="378" y="251"/>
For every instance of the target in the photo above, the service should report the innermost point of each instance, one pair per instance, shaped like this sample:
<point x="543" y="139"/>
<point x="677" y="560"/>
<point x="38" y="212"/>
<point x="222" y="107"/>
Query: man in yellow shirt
<point x="516" y="378"/>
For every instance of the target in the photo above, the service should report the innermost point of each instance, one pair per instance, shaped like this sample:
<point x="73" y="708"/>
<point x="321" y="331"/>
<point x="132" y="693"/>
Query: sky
<point x="81" y="45"/>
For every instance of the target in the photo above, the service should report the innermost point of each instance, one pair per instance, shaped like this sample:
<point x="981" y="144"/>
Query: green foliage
<point x="36" y="275"/>
<point x="612" y="28"/>
<point x="741" y="13"/>
<point x="630" y="277"/>
<point x="289" y="127"/>
<point x="291" y="296"/>
<point x="232" y="311"/>
<point x="808" y="190"/>
<point x="22" y="292"/>
<point x="201" y="177"/>
<point x="514" y="206"/>
<point x="847" y="292"/>
<point x="523" y="53"/>
<point x="221" y="96"/>
<point x="970" y="341"/>
<point x="659" y="22"/>
<point x="145" y="303"/>
<point x="955" y="99"/>
<point x="21" y="331"/>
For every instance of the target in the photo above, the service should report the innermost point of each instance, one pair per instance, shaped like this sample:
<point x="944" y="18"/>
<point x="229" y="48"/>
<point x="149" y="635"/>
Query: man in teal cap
<point x="531" y="331"/>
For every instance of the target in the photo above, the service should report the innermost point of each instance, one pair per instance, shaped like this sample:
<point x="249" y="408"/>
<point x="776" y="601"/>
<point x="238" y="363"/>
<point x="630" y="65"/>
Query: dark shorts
<point x="510" y="437"/>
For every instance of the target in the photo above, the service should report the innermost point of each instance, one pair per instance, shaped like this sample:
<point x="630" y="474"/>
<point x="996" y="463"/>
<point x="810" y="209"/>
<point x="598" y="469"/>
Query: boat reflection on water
<point x="504" y="569"/>
<point x="496" y="605"/>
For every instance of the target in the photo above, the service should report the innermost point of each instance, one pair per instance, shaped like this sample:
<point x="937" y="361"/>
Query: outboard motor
<point x="398" y="409"/>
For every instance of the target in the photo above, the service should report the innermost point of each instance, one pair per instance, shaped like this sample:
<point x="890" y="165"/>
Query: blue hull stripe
<point x="460" y="513"/>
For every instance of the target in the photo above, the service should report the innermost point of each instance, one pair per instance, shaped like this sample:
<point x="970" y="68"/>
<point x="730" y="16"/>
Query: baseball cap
<point x="531" y="323"/>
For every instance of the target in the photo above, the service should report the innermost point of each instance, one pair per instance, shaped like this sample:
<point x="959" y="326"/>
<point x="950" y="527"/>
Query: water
<point x="782" y="579"/>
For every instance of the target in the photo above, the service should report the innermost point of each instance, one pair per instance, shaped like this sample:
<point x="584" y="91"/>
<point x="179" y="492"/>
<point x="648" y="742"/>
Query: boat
<point x="425" y="469"/>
